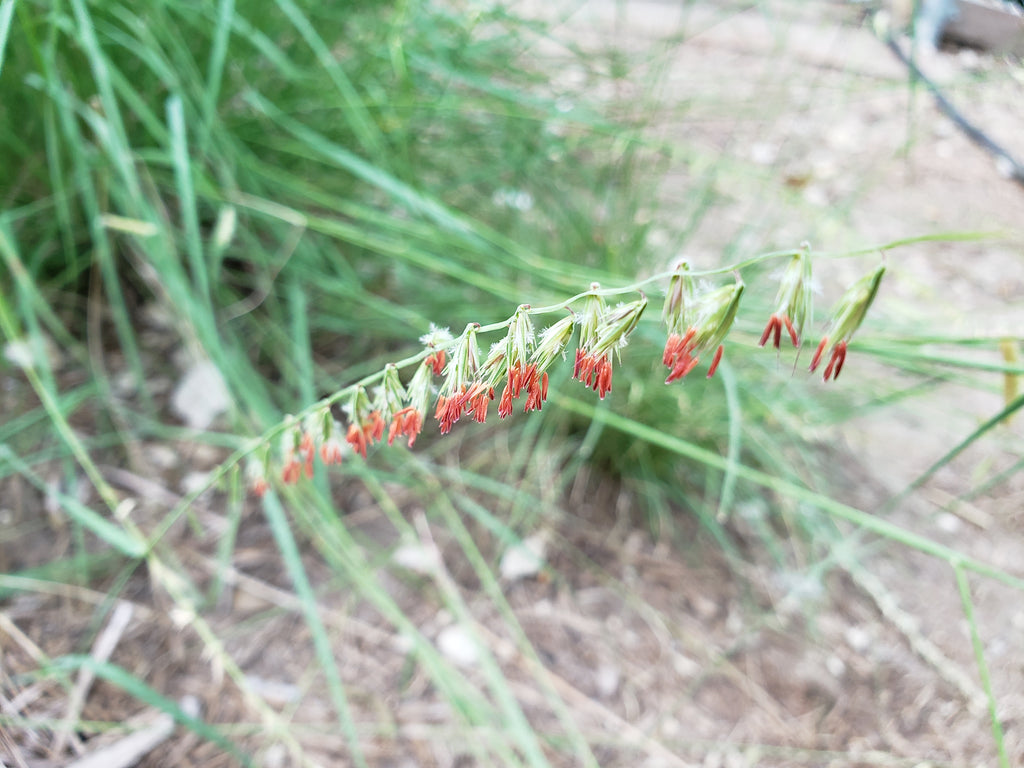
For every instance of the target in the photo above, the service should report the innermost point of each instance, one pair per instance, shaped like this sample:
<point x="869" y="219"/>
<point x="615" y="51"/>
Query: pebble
<point x="456" y="644"/>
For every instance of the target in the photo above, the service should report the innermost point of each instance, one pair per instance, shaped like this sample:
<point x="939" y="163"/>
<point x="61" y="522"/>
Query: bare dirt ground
<point x="669" y="658"/>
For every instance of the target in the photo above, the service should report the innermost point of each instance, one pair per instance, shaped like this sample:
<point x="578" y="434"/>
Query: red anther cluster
<point x="472" y="401"/>
<point x="519" y="378"/>
<point x="360" y="436"/>
<point x="448" y="411"/>
<point x="330" y="452"/>
<point x="299" y="461"/>
<point x="774" y="328"/>
<point x="680" y="356"/>
<point x="595" y="371"/>
<point x="436" y="361"/>
<point x="260" y="486"/>
<point x="407" y="422"/>
<point x="835" y="361"/>
<point x="477" y="399"/>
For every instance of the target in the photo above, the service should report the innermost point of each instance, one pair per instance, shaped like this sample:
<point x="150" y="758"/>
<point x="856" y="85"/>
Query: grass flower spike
<point x="256" y="475"/>
<point x="698" y="320"/>
<point x="793" y="303"/>
<point x="706" y="318"/>
<point x="515" y="352"/>
<point x="462" y="390"/>
<point x="366" y="423"/>
<point x="602" y="333"/>
<point x="846" y="319"/>
<point x="436" y="339"/>
<point x="408" y="421"/>
<point x="298" y="449"/>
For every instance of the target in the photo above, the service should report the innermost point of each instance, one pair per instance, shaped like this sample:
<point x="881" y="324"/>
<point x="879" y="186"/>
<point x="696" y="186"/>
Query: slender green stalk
<point x="979" y="657"/>
<point x="321" y="642"/>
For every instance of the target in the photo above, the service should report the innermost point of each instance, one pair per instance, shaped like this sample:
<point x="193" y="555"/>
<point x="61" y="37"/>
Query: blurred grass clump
<point x="290" y="180"/>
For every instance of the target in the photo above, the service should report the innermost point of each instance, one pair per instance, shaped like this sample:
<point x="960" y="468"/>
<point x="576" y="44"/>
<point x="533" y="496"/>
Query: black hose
<point x="1005" y="161"/>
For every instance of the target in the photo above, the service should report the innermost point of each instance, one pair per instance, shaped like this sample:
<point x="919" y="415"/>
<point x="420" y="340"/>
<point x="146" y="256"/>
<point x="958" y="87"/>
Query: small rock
<point x="456" y="643"/>
<point x="763" y="153"/>
<point x="948" y="523"/>
<point x="162" y="456"/>
<point x="416" y="558"/>
<point x="276" y="756"/>
<point x="274" y="691"/>
<point x="525" y="559"/>
<point x="201" y="396"/>
<point x="835" y="666"/>
<point x="22" y="354"/>
<point x="858" y="639"/>
<point x="607" y="680"/>
<point x="194" y="481"/>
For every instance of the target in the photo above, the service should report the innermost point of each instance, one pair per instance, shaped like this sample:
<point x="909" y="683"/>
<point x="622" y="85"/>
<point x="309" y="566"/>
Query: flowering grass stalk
<point x="794" y="301"/>
<point x="698" y="319"/>
<point x="846" y="319"/>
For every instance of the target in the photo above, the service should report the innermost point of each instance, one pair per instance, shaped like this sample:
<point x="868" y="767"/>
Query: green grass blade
<point x="282" y="533"/>
<point x="215" y="67"/>
<point x="353" y="109"/>
<point x="112" y="122"/>
<point x="979" y="657"/>
<point x="6" y="13"/>
<point x="187" y="200"/>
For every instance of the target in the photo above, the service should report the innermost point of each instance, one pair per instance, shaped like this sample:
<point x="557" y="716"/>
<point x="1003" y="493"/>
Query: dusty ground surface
<point x="665" y="657"/>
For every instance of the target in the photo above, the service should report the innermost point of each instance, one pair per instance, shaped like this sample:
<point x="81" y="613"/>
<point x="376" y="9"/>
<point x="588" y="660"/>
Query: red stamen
<point x="373" y="428"/>
<point x="292" y="470"/>
<point x="772" y="326"/>
<point x="716" y="360"/>
<point x="356" y="437"/>
<point x="515" y="379"/>
<point x="436" y="361"/>
<point x="477" y="400"/>
<point x="405" y="422"/>
<point x="835" y="364"/>
<point x="307" y="450"/>
<point x="537" y="391"/>
<point x="792" y="331"/>
<point x="672" y="347"/>
<point x="448" y="410"/>
<point x="817" y="355"/>
<point x="412" y="426"/>
<point x="603" y="381"/>
<point x="330" y="452"/>
<point x="505" y="404"/>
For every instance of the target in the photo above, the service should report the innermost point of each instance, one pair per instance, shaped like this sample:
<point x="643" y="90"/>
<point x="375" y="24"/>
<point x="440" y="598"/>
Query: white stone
<point x="416" y="558"/>
<point x="455" y="643"/>
<point x="607" y="680"/>
<point x="525" y="559"/>
<point x="193" y="482"/>
<point x="201" y="396"/>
